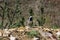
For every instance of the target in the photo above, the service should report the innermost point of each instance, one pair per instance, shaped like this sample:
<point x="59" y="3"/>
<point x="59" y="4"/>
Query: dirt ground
<point x="43" y="34"/>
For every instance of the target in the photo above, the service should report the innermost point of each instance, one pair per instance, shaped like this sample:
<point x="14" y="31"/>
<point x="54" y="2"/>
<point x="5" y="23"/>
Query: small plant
<point x="55" y="26"/>
<point x="22" y="21"/>
<point x="1" y="26"/>
<point x="15" y="25"/>
<point x="32" y="33"/>
<point x="41" y="21"/>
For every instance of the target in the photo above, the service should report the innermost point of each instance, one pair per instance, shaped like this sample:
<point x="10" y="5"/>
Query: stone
<point x="35" y="38"/>
<point x="12" y="38"/>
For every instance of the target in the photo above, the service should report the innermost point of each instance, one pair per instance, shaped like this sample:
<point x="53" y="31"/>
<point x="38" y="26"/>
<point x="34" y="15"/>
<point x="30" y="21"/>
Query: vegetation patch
<point x="32" y="33"/>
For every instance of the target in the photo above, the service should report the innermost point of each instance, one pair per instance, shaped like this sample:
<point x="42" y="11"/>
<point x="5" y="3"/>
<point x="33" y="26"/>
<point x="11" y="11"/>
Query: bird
<point x="30" y="18"/>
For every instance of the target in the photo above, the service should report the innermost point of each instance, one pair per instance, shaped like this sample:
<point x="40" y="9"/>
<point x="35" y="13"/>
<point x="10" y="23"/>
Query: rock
<point x="1" y="33"/>
<point x="46" y="29"/>
<point x="6" y="32"/>
<point x="21" y="29"/>
<point x="35" y="38"/>
<point x="27" y="27"/>
<point x="58" y="33"/>
<point x="12" y="38"/>
<point x="12" y="29"/>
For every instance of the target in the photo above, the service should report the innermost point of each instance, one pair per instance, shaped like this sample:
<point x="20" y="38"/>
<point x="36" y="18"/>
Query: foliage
<point x="15" y="25"/>
<point x="32" y="33"/>
<point x="1" y="25"/>
<point x="55" y="26"/>
<point x="41" y="21"/>
<point x="12" y="11"/>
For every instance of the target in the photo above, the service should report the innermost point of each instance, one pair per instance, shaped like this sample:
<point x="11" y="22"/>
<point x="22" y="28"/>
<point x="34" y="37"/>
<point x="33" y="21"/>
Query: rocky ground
<point x="27" y="33"/>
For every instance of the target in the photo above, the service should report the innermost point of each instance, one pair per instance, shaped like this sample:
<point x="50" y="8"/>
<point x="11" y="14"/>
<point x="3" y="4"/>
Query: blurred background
<point x="15" y="13"/>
